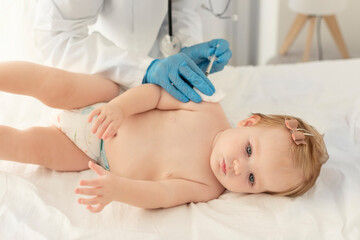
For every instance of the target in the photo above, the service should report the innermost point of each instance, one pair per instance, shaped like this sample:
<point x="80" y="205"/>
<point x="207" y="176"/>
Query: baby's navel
<point x="168" y="175"/>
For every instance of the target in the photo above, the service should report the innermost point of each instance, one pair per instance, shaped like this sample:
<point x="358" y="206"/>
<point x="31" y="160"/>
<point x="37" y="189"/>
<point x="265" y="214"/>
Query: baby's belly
<point x="138" y="149"/>
<point x="127" y="160"/>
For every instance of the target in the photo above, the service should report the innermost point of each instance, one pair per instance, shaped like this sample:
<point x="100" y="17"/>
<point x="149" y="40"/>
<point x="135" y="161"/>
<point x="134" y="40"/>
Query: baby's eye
<point x="251" y="179"/>
<point x="248" y="150"/>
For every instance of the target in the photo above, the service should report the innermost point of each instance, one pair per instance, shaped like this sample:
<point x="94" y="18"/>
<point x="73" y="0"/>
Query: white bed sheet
<point x="37" y="203"/>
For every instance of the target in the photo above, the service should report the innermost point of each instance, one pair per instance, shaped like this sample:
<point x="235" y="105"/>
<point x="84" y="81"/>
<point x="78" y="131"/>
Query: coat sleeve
<point x="187" y="23"/>
<point x="61" y="33"/>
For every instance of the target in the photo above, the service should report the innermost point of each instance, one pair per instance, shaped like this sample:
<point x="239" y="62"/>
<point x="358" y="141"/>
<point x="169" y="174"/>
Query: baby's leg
<point x="54" y="87"/>
<point x="45" y="146"/>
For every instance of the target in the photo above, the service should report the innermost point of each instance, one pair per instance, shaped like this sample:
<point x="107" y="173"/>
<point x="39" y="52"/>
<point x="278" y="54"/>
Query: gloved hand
<point x="176" y="74"/>
<point x="201" y="52"/>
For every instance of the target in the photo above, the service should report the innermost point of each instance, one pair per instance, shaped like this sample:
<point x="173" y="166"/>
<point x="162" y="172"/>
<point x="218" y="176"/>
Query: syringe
<point x="212" y="60"/>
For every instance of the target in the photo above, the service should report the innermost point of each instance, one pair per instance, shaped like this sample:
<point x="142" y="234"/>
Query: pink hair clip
<point x="297" y="134"/>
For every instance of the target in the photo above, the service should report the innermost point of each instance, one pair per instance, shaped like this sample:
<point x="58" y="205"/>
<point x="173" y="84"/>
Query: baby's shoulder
<point x="210" y="188"/>
<point x="206" y="107"/>
<point x="213" y="111"/>
<point x="214" y="190"/>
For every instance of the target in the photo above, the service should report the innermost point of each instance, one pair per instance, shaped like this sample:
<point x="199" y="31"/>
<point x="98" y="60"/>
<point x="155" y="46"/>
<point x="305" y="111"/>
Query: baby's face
<point x="254" y="159"/>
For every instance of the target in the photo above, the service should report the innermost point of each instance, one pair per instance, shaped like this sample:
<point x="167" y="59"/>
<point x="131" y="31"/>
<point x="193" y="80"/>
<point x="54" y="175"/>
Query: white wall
<point x="267" y="31"/>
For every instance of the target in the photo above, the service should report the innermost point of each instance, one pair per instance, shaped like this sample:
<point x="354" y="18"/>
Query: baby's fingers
<point x="91" y="183"/>
<point x="89" y="191"/>
<point x="96" y="209"/>
<point x="110" y="131"/>
<point x="98" y="122"/>
<point x="102" y="128"/>
<point x="94" y="113"/>
<point x="89" y="201"/>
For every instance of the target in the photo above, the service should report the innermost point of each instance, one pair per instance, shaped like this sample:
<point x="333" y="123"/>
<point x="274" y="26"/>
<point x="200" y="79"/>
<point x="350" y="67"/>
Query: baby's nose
<point x="237" y="169"/>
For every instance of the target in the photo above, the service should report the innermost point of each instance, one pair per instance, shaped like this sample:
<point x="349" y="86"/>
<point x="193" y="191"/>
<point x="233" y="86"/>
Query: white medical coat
<point x="115" y="38"/>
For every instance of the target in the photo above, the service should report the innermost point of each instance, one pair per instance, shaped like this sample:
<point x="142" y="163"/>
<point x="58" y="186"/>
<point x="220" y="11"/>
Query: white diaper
<point x="75" y="125"/>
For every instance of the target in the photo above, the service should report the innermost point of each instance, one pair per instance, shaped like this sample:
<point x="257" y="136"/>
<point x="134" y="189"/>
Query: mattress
<point x="38" y="203"/>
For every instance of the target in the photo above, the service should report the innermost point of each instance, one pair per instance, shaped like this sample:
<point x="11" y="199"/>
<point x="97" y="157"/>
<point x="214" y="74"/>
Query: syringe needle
<point x="212" y="60"/>
<point x="208" y="69"/>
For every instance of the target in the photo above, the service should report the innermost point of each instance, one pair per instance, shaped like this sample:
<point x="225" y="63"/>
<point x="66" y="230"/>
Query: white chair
<point x="309" y="10"/>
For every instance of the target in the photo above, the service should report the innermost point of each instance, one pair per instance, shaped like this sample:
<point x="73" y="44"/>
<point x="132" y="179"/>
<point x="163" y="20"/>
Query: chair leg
<point x="336" y="33"/>
<point x="310" y="34"/>
<point x="293" y="32"/>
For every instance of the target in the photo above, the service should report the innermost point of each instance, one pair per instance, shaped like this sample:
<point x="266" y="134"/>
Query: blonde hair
<point x="308" y="157"/>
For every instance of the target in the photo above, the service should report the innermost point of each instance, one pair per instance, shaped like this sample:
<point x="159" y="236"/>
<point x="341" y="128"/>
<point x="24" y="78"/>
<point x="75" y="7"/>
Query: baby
<point x="153" y="151"/>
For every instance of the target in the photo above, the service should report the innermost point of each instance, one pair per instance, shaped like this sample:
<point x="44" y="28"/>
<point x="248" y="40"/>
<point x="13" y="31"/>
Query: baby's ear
<point x="249" y="121"/>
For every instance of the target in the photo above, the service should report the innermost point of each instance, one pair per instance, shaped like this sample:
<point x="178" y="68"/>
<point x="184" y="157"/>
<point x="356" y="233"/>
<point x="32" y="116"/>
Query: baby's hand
<point x="102" y="189"/>
<point x="108" y="121"/>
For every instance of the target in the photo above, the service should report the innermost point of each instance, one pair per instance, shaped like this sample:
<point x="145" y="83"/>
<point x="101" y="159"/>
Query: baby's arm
<point x="145" y="194"/>
<point x="136" y="100"/>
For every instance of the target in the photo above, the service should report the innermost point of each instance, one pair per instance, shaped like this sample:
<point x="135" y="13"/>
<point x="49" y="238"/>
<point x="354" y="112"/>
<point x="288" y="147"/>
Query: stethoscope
<point x="170" y="44"/>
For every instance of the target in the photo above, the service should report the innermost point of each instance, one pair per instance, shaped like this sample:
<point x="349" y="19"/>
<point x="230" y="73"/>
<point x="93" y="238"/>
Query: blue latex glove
<point x="201" y="52"/>
<point x="177" y="74"/>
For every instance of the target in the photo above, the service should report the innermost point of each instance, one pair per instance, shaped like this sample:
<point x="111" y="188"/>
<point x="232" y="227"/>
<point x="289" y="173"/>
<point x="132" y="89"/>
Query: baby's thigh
<point x="49" y="147"/>
<point x="85" y="89"/>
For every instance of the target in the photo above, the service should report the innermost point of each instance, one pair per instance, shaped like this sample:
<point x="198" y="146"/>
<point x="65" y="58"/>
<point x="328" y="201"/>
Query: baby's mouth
<point x="223" y="166"/>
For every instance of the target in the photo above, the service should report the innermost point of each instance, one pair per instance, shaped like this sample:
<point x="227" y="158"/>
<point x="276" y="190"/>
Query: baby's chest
<point x="154" y="160"/>
<point x="162" y="145"/>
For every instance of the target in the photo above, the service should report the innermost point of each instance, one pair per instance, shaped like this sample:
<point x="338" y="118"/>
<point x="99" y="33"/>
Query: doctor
<point x="119" y="40"/>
